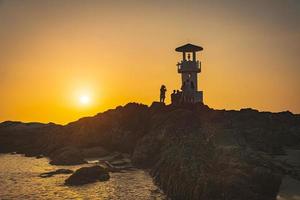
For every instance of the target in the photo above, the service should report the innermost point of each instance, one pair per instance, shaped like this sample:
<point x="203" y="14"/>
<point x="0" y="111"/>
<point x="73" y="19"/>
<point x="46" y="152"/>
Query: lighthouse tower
<point x="189" y="68"/>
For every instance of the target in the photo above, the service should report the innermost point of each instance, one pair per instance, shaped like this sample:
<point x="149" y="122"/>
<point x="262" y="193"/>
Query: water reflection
<point x="19" y="179"/>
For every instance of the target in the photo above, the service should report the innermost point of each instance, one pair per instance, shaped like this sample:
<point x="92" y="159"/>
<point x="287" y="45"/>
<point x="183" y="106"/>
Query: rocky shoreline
<point x="192" y="151"/>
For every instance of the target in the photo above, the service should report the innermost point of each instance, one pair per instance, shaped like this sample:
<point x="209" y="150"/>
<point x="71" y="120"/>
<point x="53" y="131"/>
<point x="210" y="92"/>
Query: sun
<point x="84" y="99"/>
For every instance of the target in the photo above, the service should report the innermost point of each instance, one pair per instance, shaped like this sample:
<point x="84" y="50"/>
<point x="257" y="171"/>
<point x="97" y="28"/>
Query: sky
<point x="62" y="60"/>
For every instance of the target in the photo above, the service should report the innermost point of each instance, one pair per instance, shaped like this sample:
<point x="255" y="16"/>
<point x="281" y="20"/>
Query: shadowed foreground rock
<point x="193" y="152"/>
<point x="87" y="175"/>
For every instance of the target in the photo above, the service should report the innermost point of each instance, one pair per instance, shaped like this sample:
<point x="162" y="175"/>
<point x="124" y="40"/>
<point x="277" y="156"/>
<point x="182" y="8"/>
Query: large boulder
<point x="87" y="175"/>
<point x="67" y="156"/>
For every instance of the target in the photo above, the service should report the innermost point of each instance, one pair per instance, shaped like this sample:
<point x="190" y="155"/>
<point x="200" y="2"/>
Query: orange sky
<point x="116" y="52"/>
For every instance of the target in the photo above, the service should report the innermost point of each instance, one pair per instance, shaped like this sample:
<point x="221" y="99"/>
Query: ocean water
<point x="19" y="179"/>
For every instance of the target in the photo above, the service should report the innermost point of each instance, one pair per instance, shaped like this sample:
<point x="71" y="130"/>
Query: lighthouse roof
<point x="188" y="48"/>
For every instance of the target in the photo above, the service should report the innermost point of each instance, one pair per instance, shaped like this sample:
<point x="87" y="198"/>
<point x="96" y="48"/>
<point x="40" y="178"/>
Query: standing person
<point x="178" y="97"/>
<point x="163" y="90"/>
<point x="173" y="97"/>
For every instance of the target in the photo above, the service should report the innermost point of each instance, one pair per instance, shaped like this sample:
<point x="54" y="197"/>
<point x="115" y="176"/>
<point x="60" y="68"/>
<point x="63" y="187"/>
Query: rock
<point x="120" y="162"/>
<point x="87" y="175"/>
<point x="52" y="173"/>
<point x="25" y="138"/>
<point x="94" y="152"/>
<point x="39" y="156"/>
<point x="267" y="181"/>
<point x="289" y="189"/>
<point x="119" y="156"/>
<point x="118" y="166"/>
<point x="157" y="106"/>
<point x="67" y="156"/>
<point x="115" y="162"/>
<point x="193" y="151"/>
<point x="112" y="157"/>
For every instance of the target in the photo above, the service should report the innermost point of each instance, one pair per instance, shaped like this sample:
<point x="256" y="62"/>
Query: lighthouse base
<point x="198" y="97"/>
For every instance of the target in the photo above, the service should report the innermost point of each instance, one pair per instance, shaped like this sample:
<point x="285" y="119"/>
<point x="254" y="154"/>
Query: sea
<point x="19" y="179"/>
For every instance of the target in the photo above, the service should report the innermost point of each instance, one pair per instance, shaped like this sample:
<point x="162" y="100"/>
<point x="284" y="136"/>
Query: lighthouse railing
<point x="189" y="66"/>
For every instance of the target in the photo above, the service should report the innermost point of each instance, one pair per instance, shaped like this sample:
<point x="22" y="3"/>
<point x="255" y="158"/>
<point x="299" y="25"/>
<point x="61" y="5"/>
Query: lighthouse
<point x="189" y="67"/>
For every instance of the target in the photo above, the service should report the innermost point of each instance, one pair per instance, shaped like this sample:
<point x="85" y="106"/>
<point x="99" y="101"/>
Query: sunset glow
<point x="125" y="51"/>
<point x="84" y="99"/>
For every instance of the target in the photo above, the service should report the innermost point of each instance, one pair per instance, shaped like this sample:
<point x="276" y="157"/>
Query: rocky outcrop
<point x="215" y="173"/>
<point x="87" y="175"/>
<point x="192" y="151"/>
<point x="30" y="139"/>
<point x="115" y="130"/>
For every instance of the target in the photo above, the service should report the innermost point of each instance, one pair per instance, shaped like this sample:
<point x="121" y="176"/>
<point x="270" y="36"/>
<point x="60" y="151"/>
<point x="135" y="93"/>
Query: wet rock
<point x="120" y="162"/>
<point x="116" y="162"/>
<point x="117" y="166"/>
<point x="39" y="156"/>
<point x="112" y="157"/>
<point x="87" y="175"/>
<point x="52" y="173"/>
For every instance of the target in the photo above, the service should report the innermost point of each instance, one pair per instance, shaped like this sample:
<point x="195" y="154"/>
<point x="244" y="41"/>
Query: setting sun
<point x="84" y="99"/>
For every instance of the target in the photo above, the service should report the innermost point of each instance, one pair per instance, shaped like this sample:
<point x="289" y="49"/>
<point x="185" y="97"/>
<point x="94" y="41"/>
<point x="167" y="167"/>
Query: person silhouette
<point x="178" y="96"/>
<point x="163" y="90"/>
<point x="173" y="97"/>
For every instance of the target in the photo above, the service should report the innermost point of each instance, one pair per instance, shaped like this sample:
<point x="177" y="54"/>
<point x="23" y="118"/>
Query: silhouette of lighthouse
<point x="189" y="68"/>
